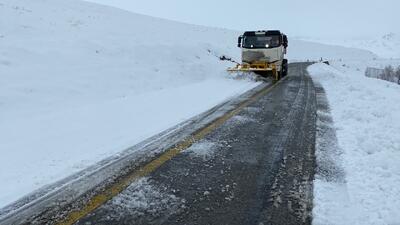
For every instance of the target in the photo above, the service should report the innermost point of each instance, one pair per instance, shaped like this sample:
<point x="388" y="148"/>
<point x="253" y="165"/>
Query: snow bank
<point x="366" y="115"/>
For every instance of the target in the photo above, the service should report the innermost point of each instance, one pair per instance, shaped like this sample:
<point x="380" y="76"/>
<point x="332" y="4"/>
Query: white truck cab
<point x="263" y="51"/>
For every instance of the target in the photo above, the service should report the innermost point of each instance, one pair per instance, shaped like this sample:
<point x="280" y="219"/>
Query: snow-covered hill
<point x="305" y="50"/>
<point x="80" y="82"/>
<point x="386" y="46"/>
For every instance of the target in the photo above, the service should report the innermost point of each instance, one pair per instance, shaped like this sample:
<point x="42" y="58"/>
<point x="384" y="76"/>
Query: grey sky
<point x="315" y="18"/>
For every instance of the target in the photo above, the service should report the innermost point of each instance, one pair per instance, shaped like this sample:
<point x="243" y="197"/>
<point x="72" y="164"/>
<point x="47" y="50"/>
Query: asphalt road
<point x="257" y="168"/>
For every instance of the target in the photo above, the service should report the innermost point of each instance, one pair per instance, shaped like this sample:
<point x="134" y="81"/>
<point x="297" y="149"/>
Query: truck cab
<point x="264" y="47"/>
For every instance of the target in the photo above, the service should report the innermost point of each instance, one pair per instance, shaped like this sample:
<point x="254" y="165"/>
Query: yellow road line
<point x="112" y="191"/>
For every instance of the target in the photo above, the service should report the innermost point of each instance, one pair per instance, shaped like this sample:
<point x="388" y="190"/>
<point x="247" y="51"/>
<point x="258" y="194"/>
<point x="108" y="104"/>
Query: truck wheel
<point x="279" y="74"/>
<point x="284" y="67"/>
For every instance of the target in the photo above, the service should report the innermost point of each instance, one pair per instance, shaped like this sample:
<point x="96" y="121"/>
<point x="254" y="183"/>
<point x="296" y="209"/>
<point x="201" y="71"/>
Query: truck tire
<point x="284" y="67"/>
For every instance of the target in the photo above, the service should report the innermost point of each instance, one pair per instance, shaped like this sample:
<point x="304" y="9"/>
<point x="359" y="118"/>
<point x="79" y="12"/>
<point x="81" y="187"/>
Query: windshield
<point x="261" y="41"/>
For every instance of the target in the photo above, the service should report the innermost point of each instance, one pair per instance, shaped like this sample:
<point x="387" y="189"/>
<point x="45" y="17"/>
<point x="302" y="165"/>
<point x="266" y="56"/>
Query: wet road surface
<point x="257" y="168"/>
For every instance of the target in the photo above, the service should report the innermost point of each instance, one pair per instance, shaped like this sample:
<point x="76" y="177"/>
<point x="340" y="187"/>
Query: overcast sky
<point x="314" y="18"/>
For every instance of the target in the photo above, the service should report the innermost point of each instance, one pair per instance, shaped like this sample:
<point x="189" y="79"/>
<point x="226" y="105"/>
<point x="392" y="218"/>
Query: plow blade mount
<point x="252" y="67"/>
<point x="256" y="67"/>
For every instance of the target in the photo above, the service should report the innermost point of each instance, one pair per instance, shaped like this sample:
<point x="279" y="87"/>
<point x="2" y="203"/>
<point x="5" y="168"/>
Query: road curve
<point x="256" y="168"/>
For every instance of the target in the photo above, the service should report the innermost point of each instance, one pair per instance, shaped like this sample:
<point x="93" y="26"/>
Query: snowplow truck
<point x="263" y="53"/>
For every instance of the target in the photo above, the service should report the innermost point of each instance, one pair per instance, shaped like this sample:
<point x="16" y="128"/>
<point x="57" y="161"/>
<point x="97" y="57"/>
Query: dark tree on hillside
<point x="388" y="73"/>
<point x="398" y="75"/>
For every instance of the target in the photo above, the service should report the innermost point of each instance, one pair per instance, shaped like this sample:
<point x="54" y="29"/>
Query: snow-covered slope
<point x="80" y="82"/>
<point x="366" y="117"/>
<point x="386" y="46"/>
<point x="306" y="50"/>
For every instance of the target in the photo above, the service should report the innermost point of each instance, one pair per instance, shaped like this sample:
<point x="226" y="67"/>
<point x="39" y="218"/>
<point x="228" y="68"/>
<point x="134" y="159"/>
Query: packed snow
<point x="204" y="149"/>
<point x="143" y="198"/>
<point x="80" y="82"/>
<point x="366" y="118"/>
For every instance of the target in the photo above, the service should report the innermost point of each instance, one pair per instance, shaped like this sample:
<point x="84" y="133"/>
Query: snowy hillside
<point x="80" y="82"/>
<point x="306" y="50"/>
<point x="386" y="46"/>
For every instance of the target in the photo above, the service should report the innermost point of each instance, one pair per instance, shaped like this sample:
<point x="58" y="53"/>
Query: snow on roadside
<point x="62" y="142"/>
<point x="366" y="116"/>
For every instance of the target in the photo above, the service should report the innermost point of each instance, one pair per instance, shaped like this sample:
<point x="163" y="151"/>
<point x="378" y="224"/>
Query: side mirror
<point x="285" y="41"/>
<point x="240" y="41"/>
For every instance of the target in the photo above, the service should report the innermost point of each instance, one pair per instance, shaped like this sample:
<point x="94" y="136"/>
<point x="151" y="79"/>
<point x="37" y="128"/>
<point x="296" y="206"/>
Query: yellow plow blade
<point x="255" y="67"/>
<point x="251" y="67"/>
